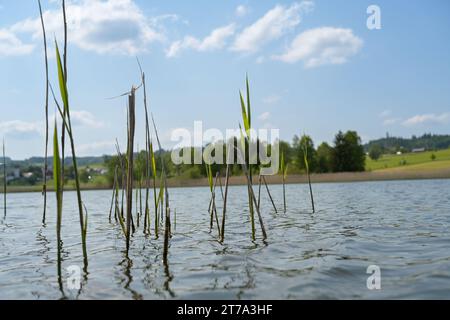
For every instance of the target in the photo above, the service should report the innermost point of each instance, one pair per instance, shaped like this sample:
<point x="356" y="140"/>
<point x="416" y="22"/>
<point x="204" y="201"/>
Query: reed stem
<point x="147" y="159"/>
<point x="305" y="157"/>
<point x="113" y="193"/>
<point x="130" y="154"/>
<point x="284" y="193"/>
<point x="259" y="192"/>
<point x="166" y="199"/>
<point x="65" y="110"/>
<point x="68" y="126"/>
<point x="222" y="237"/>
<point x="44" y="187"/>
<point x="270" y="196"/>
<point x="252" y="195"/>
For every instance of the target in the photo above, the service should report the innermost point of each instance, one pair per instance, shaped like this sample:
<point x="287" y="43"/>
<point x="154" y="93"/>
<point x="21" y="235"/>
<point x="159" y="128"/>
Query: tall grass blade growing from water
<point x="247" y="120"/>
<point x="68" y="126"/>
<point x="64" y="65"/>
<point x="130" y="154"/>
<point x="225" y="197"/>
<point x="167" y="226"/>
<point x="211" y="207"/>
<point x="270" y="195"/>
<point x="113" y="197"/>
<point x="44" y="187"/>
<point x="284" y="176"/>
<point x="305" y="157"/>
<point x="252" y="195"/>
<point x="58" y="191"/>
<point x="147" y="158"/>
<point x="154" y="176"/>
<point x="212" y="188"/>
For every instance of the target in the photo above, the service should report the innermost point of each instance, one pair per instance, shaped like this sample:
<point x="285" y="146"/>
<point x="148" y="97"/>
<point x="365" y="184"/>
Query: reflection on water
<point x="401" y="226"/>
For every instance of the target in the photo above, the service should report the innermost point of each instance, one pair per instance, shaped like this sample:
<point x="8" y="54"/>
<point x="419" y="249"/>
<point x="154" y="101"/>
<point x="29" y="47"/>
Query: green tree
<point x="375" y="152"/>
<point x="84" y="176"/>
<point x="348" y="153"/>
<point x="299" y="146"/>
<point x="69" y="173"/>
<point x="324" y="158"/>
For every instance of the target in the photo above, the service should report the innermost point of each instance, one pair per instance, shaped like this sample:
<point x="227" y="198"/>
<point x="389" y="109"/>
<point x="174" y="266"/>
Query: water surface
<point x="400" y="226"/>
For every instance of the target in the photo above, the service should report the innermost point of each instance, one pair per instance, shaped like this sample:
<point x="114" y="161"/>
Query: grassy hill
<point x="410" y="161"/>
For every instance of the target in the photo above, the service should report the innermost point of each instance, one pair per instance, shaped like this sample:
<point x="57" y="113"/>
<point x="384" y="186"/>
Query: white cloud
<point x="85" y="119"/>
<point x="242" y="10"/>
<point x="216" y="40"/>
<point x="20" y="129"/>
<point x="274" y="24"/>
<point x="96" y="148"/>
<point x="322" y="46"/>
<point x="111" y="26"/>
<point x="430" y="118"/>
<point x="11" y="45"/>
<point x="264" y="116"/>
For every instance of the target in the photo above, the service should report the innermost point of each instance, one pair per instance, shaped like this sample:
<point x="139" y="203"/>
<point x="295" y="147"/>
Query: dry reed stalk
<point x="252" y="196"/>
<point x="130" y="155"/>
<point x="270" y="196"/>
<point x="113" y="193"/>
<point x="227" y="178"/>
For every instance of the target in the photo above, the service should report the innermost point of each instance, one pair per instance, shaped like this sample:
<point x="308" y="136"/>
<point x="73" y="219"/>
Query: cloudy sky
<point x="314" y="67"/>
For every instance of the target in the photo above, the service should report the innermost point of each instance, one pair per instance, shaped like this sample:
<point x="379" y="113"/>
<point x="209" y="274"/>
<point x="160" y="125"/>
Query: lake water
<point x="400" y="226"/>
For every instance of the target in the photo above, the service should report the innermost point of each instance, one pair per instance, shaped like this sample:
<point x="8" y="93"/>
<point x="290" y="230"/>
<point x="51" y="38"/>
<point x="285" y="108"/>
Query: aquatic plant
<point x="227" y="178"/>
<point x="57" y="182"/>
<point x="245" y="140"/>
<point x="261" y="180"/>
<point x="113" y="197"/>
<point x="44" y="187"/>
<point x="212" y="188"/>
<point x="270" y="195"/>
<point x="146" y="172"/>
<point x="68" y="127"/>
<point x="305" y="157"/>
<point x="252" y="193"/>
<point x="164" y="199"/>
<point x="64" y="66"/>
<point x="59" y="200"/>
<point x="154" y="177"/>
<point x="284" y="169"/>
<point x="130" y="158"/>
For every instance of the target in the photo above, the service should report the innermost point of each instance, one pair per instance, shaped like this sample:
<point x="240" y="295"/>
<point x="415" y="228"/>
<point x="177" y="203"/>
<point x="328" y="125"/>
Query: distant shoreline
<point x="379" y="175"/>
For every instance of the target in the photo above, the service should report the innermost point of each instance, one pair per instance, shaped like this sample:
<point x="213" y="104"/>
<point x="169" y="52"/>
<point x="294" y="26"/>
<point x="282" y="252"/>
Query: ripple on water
<point x="401" y="226"/>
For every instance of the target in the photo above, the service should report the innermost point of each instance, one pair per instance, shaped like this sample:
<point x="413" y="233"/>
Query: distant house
<point x="417" y="150"/>
<point x="27" y="174"/>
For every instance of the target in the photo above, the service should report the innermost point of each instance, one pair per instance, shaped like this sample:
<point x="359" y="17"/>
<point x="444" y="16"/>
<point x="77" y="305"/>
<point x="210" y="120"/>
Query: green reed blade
<point x="61" y="79"/>
<point x="44" y="187"/>
<point x="57" y="182"/>
<point x="245" y="117"/>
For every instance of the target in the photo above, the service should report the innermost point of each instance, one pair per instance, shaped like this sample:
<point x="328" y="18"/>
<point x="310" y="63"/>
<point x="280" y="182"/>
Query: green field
<point x="420" y="160"/>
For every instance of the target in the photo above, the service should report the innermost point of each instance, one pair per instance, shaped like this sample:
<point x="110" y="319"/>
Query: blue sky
<point x="314" y="67"/>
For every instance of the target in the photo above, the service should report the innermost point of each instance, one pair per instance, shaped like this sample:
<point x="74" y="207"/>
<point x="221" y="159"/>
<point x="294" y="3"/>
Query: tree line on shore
<point x="346" y="154"/>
